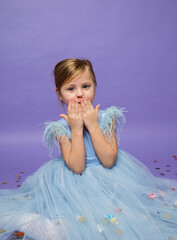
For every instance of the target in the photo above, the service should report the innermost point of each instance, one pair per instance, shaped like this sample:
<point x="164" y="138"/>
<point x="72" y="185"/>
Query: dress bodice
<point x="57" y="129"/>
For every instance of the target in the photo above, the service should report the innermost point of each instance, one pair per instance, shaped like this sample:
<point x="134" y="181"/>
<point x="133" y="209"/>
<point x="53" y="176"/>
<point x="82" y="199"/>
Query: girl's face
<point x="80" y="86"/>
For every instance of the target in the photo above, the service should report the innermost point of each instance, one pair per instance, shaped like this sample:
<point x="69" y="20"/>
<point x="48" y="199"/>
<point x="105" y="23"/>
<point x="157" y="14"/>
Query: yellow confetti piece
<point x="56" y="221"/>
<point x="82" y="219"/>
<point x="118" y="231"/>
<point x="170" y="237"/>
<point x="2" y="231"/>
<point x="27" y="197"/>
<point x="113" y="220"/>
<point x="167" y="216"/>
<point x="4" y="182"/>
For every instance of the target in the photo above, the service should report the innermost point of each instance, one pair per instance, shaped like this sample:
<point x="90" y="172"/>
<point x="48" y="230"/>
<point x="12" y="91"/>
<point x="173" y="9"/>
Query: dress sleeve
<point x="113" y="120"/>
<point x="54" y="133"/>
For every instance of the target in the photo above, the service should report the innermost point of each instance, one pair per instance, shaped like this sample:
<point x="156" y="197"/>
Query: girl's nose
<point x="79" y="94"/>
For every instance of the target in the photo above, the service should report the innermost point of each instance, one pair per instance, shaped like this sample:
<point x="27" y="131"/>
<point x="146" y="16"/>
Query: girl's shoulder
<point x="55" y="130"/>
<point x="112" y="118"/>
<point x="62" y="123"/>
<point x="111" y="112"/>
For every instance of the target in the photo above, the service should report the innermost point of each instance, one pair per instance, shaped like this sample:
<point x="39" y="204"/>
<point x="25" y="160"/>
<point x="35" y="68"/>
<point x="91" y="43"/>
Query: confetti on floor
<point x="18" y="179"/>
<point x="162" y="173"/>
<point x="18" y="235"/>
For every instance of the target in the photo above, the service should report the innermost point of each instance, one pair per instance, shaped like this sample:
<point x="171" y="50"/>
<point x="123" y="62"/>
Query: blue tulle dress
<point x="124" y="202"/>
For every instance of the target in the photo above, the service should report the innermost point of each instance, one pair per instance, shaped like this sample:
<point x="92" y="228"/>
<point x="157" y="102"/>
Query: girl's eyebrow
<point x="69" y="85"/>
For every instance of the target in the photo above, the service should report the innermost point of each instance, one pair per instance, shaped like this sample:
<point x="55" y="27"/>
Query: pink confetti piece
<point x="152" y="195"/>
<point x="166" y="204"/>
<point x="118" y="210"/>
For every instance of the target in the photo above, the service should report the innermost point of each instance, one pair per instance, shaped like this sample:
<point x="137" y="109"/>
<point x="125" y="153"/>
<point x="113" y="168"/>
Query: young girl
<point x="94" y="190"/>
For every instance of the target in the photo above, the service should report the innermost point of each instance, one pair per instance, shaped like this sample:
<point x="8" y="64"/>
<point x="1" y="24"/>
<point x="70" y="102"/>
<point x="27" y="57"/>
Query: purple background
<point x="133" y="48"/>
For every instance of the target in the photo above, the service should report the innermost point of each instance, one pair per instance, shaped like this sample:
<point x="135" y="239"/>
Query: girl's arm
<point x="106" y="154"/>
<point x="74" y="154"/>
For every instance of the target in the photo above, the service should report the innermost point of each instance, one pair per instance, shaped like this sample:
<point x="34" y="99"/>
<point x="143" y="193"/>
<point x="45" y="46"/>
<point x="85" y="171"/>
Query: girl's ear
<point x="58" y="94"/>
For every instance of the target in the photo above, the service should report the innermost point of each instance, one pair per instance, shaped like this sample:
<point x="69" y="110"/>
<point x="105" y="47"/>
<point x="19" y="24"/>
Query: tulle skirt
<point x="123" y="202"/>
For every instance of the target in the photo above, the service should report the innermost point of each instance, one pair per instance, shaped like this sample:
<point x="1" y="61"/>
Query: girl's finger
<point x="86" y="103"/>
<point x="69" y="106"/>
<point x="80" y="110"/>
<point x="76" y="107"/>
<point x="72" y="106"/>
<point x="83" y="106"/>
<point x="90" y="105"/>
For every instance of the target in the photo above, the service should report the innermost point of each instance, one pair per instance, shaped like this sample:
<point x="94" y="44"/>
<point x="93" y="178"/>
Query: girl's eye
<point x="86" y="86"/>
<point x="71" y="88"/>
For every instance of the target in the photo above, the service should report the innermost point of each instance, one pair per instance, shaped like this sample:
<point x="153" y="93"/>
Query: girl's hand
<point x="74" y="117"/>
<point x="89" y="114"/>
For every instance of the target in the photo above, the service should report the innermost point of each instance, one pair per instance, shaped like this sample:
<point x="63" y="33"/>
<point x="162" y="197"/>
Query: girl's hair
<point x="68" y="69"/>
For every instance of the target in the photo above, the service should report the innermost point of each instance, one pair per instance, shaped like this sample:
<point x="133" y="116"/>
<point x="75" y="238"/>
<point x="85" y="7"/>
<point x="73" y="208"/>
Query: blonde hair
<point x="68" y="69"/>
